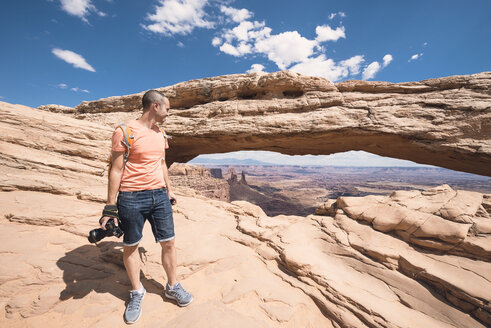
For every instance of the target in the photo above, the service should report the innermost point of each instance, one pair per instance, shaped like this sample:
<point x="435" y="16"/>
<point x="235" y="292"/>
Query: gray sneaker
<point x="178" y="293"/>
<point x="134" y="307"/>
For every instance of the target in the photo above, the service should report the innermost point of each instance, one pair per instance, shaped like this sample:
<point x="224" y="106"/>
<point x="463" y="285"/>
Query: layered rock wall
<point x="201" y="180"/>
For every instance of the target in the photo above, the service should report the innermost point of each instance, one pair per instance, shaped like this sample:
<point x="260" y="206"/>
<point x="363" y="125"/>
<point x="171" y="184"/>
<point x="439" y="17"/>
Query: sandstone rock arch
<point x="444" y="122"/>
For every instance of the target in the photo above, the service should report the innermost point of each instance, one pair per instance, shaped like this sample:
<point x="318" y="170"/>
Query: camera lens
<point x="111" y="230"/>
<point x="96" y="235"/>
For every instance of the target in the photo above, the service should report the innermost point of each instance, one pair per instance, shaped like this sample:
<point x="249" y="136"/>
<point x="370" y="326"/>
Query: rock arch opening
<point x="298" y="185"/>
<point x="387" y="145"/>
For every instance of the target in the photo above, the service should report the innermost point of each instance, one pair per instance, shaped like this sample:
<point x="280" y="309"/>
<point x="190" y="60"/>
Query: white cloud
<point x="371" y="70"/>
<point x="326" y="33"/>
<point x="229" y="49"/>
<point x="216" y="41"/>
<point x="353" y="64"/>
<point x="322" y="67"/>
<point x="425" y="44"/>
<point x="80" y="8"/>
<point x="75" y="89"/>
<point x="241" y="39"/>
<point x="79" y="90"/>
<point x="253" y="37"/>
<point x="240" y="32"/>
<point x="180" y="44"/>
<point x="242" y="49"/>
<point x="259" y="31"/>
<point x="237" y="15"/>
<point x="255" y="68"/>
<point x="178" y="17"/>
<point x="387" y="59"/>
<point x="72" y="58"/>
<point x="415" y="57"/>
<point x="286" y="48"/>
<point x="328" y="68"/>
<point x="340" y="13"/>
<point x="246" y="31"/>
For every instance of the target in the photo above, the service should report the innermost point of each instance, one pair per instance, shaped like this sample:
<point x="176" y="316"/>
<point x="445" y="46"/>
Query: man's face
<point x="163" y="110"/>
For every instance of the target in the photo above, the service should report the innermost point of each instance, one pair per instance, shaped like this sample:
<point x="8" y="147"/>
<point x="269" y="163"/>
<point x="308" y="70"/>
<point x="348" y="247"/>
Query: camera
<point x="111" y="230"/>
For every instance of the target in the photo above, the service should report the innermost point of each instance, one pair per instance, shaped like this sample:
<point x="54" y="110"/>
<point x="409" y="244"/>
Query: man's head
<point x="156" y="102"/>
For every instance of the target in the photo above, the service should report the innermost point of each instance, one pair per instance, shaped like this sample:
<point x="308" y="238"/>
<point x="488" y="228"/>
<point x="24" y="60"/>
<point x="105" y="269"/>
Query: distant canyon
<point x="299" y="190"/>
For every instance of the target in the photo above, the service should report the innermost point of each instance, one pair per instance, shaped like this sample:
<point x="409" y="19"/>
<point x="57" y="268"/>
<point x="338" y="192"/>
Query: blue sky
<point x="68" y="51"/>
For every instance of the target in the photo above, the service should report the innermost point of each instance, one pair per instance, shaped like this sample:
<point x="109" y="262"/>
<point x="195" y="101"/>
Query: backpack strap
<point x="165" y="137"/>
<point x="128" y="139"/>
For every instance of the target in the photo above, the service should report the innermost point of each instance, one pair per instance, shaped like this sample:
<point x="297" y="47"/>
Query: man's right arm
<point x="114" y="182"/>
<point x="115" y="177"/>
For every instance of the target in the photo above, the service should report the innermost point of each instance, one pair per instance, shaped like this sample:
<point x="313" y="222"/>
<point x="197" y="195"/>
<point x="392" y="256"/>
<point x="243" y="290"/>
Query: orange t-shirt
<point x="143" y="170"/>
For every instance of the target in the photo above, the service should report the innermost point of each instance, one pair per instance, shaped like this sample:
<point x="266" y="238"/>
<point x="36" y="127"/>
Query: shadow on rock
<point x="100" y="268"/>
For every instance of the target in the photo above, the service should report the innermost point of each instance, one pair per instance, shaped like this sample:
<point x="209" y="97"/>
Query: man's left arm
<point x="167" y="180"/>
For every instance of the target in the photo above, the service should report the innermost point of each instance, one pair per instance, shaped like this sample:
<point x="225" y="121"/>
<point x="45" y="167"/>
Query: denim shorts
<point x="134" y="207"/>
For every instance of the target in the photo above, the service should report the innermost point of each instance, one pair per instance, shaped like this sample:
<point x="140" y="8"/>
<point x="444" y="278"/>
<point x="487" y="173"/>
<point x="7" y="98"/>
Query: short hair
<point x="150" y="97"/>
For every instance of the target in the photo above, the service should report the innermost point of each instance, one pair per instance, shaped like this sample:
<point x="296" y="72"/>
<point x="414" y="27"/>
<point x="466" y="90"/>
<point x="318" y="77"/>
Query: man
<point x="144" y="194"/>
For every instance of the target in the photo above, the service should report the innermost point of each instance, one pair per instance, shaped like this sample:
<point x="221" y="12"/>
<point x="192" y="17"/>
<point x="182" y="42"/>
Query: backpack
<point x="128" y="139"/>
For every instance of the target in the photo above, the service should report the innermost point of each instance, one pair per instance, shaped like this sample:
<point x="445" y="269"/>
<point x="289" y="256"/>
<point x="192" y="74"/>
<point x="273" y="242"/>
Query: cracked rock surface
<point x="411" y="259"/>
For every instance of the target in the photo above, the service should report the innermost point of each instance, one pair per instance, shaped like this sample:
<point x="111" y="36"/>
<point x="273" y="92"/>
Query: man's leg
<point x="173" y="290"/>
<point x="169" y="260"/>
<point x="131" y="210"/>
<point x="131" y="260"/>
<point x="162" y="222"/>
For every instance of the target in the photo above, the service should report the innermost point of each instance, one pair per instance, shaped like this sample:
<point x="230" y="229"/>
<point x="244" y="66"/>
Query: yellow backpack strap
<point x="165" y="137"/>
<point x="108" y="165"/>
<point x="131" y="138"/>
<point x="128" y="139"/>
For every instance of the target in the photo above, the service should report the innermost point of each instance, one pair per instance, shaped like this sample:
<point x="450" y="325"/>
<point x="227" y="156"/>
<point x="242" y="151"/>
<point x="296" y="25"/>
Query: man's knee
<point x="168" y="244"/>
<point x="129" y="250"/>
